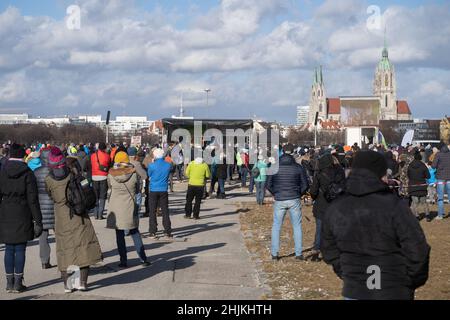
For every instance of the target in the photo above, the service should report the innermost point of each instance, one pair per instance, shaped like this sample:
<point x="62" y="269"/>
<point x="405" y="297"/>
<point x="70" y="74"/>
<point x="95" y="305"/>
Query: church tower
<point x="385" y="86"/>
<point x="318" y="101"/>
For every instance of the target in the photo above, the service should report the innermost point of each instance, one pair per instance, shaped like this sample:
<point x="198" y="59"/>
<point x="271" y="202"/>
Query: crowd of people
<point x="366" y="203"/>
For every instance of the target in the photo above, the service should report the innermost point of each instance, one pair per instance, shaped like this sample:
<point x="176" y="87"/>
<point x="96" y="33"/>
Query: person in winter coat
<point x="431" y="183"/>
<point x="441" y="163"/>
<point x="76" y="241"/>
<point x="100" y="164"/>
<point x="123" y="182"/>
<point x="20" y="215"/>
<point x="371" y="239"/>
<point x="330" y="172"/>
<point x="221" y="173"/>
<point x="418" y="188"/>
<point x="287" y="186"/>
<point x="260" y="180"/>
<point x="392" y="164"/>
<point x="141" y="174"/>
<point x="159" y="172"/>
<point x="47" y="209"/>
<point x="197" y="172"/>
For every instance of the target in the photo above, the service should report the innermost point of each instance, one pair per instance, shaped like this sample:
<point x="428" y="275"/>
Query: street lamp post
<point x="207" y="99"/>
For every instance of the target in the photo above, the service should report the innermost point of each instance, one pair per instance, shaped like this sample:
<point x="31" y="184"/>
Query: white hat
<point x="158" y="153"/>
<point x="260" y="157"/>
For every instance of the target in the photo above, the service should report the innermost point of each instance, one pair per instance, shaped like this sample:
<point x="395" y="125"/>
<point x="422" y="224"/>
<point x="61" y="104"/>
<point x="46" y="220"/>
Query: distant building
<point x="384" y="92"/>
<point x="302" y="115"/>
<point x="13" y="118"/>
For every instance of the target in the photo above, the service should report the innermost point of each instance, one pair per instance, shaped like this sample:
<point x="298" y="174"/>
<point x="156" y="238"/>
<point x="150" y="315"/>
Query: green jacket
<point x="197" y="173"/>
<point x="262" y="171"/>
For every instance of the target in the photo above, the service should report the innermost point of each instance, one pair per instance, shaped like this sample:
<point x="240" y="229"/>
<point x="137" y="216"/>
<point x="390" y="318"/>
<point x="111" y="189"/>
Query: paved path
<point x="207" y="260"/>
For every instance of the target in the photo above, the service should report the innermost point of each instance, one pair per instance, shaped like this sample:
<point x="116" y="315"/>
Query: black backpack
<point x="80" y="196"/>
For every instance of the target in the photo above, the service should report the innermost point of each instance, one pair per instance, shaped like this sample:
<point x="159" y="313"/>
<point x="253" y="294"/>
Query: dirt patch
<point x="298" y="280"/>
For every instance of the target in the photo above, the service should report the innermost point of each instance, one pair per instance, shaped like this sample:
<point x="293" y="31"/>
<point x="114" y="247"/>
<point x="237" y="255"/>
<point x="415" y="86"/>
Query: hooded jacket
<point x="123" y="184"/>
<point x="441" y="163"/>
<point x="371" y="226"/>
<point x="290" y="182"/>
<point x="19" y="203"/>
<point x="328" y="173"/>
<point x="417" y="176"/>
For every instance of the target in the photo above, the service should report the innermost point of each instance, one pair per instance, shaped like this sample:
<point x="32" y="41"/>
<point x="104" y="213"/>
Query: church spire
<point x="321" y="75"/>
<point x="385" y="50"/>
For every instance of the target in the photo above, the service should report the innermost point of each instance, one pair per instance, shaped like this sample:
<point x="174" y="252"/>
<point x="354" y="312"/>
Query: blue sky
<point x="257" y="56"/>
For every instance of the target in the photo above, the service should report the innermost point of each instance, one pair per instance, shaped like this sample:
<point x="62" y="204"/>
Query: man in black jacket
<point x="287" y="187"/>
<point x="371" y="238"/>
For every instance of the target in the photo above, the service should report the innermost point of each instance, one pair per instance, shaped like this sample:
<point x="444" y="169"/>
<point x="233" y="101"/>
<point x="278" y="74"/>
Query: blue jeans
<point x="260" y="192"/>
<point x="280" y="209"/>
<point x="15" y="258"/>
<point x="222" y="186"/>
<point x="441" y="186"/>
<point x="252" y="184"/>
<point x="318" y="233"/>
<point x="244" y="173"/>
<point x="138" y="245"/>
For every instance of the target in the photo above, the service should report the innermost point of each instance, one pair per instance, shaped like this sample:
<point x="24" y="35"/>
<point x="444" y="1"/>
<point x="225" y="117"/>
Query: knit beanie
<point x="372" y="161"/>
<point x="56" y="159"/>
<point x="121" y="157"/>
<point x="17" y="151"/>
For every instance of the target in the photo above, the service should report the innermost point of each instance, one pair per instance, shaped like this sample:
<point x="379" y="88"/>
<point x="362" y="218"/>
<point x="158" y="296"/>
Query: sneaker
<point x="187" y="217"/>
<point x="275" y="258"/>
<point x="196" y="218"/>
<point x="145" y="264"/>
<point x="153" y="236"/>
<point x="168" y="235"/>
<point x="123" y="265"/>
<point x="82" y="288"/>
<point x="300" y="258"/>
<point x="428" y="218"/>
<point x="439" y="218"/>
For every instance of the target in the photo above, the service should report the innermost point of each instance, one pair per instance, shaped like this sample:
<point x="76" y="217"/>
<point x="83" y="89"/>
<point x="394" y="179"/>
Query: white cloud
<point x="124" y="58"/>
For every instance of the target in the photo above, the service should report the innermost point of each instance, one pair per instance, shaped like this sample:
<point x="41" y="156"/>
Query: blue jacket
<point x="290" y="182"/>
<point x="34" y="163"/>
<point x="432" y="179"/>
<point x="159" y="172"/>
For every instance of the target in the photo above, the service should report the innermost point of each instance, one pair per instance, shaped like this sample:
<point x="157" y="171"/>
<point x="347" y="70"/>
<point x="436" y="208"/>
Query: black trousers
<point x="197" y="193"/>
<point x="159" y="200"/>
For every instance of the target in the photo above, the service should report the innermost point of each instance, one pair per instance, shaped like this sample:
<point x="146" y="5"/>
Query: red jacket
<point x="103" y="159"/>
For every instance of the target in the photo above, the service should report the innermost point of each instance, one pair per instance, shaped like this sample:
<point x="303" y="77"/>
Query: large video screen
<point x="360" y="112"/>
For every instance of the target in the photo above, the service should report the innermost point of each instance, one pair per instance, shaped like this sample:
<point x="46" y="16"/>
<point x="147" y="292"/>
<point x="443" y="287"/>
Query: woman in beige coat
<point x="76" y="241"/>
<point x="123" y="183"/>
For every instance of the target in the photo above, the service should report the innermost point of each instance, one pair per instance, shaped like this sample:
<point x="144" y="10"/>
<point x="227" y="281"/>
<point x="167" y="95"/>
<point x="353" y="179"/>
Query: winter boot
<point x="84" y="273"/>
<point x="65" y="277"/>
<point x="9" y="283"/>
<point x="18" y="283"/>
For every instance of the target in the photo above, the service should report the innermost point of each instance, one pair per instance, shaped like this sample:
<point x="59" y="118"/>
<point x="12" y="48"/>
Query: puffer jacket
<point x="441" y="163"/>
<point x="46" y="203"/>
<point x="19" y="203"/>
<point x="290" y="182"/>
<point x="371" y="226"/>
